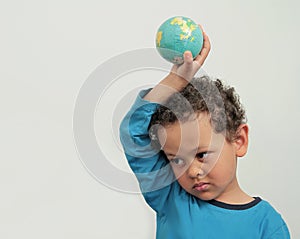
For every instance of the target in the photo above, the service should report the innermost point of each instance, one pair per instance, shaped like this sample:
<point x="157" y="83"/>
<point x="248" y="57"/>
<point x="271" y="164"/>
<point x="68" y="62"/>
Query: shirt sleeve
<point x="282" y="233"/>
<point x="149" y="165"/>
<point x="274" y="225"/>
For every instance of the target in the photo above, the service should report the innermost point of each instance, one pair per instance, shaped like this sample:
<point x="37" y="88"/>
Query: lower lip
<point x="202" y="187"/>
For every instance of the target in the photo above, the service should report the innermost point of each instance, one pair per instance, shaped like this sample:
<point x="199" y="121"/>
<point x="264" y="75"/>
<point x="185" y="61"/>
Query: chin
<point x="204" y="196"/>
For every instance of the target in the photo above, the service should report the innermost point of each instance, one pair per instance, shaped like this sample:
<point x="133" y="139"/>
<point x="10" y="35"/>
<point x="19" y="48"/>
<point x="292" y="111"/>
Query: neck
<point x="234" y="195"/>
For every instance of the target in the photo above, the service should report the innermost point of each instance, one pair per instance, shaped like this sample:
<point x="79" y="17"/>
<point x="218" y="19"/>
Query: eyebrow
<point x="194" y="150"/>
<point x="171" y="155"/>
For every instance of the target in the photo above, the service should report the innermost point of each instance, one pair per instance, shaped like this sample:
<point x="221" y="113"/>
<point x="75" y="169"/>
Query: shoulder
<point x="268" y="211"/>
<point x="266" y="208"/>
<point x="272" y="222"/>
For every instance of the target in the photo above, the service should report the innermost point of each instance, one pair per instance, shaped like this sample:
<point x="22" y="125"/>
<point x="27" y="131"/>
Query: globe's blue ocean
<point x="177" y="35"/>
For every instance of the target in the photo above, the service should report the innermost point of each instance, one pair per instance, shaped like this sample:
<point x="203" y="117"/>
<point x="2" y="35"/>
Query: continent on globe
<point x="177" y="35"/>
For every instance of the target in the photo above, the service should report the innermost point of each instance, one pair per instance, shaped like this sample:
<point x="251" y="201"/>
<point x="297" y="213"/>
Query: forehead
<point x="188" y="135"/>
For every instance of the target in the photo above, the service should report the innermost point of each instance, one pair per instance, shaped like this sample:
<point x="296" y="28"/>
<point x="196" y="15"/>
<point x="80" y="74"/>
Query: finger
<point x="201" y="28"/>
<point x="188" y="61"/>
<point x="205" y="50"/>
<point x="185" y="70"/>
<point x="188" y="57"/>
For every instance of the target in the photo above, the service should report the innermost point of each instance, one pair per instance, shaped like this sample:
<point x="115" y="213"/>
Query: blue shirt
<point x="179" y="214"/>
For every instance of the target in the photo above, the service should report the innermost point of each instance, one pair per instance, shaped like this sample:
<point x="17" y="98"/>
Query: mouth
<point x="201" y="186"/>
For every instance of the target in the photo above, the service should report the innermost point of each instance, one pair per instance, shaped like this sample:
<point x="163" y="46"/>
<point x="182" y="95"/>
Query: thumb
<point x="187" y="66"/>
<point x="188" y="58"/>
<point x="187" y="61"/>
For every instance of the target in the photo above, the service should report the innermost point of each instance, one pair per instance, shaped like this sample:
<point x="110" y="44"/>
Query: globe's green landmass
<point x="177" y="35"/>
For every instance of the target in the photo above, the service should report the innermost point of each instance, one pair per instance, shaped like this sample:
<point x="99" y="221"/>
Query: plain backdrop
<point x="49" y="48"/>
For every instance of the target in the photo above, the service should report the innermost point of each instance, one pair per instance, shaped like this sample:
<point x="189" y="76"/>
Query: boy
<point x="182" y="139"/>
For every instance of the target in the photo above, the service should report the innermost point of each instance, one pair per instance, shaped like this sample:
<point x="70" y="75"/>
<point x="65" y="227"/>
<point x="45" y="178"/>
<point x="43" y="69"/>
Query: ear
<point x="241" y="140"/>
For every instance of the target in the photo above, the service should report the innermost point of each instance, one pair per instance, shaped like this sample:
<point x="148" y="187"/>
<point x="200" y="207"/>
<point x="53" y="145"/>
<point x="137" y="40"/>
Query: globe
<point x="177" y="35"/>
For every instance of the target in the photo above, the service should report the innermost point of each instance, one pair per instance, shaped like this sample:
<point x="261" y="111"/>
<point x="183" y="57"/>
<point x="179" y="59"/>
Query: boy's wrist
<point x="175" y="81"/>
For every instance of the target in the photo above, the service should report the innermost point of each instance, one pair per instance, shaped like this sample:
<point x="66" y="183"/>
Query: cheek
<point x="226" y="163"/>
<point x="223" y="171"/>
<point x="179" y="172"/>
<point x="181" y="175"/>
<point x="184" y="182"/>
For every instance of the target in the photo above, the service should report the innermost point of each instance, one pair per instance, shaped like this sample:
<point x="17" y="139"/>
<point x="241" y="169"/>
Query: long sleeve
<point x="149" y="165"/>
<point x="282" y="232"/>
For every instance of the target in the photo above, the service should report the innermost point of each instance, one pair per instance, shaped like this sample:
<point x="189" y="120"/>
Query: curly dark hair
<point x="202" y="94"/>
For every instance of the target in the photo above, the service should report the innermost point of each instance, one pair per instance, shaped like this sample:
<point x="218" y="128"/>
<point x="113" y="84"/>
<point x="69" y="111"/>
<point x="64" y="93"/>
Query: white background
<point x="49" y="48"/>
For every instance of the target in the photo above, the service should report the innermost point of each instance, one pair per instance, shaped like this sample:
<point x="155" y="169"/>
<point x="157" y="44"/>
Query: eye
<point x="202" y="156"/>
<point x="178" y="162"/>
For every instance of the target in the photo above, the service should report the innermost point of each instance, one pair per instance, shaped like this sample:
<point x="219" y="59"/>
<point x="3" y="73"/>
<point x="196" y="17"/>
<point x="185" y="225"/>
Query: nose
<point x="195" y="170"/>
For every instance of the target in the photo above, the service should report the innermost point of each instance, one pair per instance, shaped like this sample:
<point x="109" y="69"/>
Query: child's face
<point x="204" y="162"/>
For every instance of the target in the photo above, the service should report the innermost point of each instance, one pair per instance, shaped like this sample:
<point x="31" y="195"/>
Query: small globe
<point x="177" y="35"/>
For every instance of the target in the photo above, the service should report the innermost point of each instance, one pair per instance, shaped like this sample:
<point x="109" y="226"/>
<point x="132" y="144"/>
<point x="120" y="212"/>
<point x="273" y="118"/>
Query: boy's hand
<point x="180" y="75"/>
<point x="189" y="68"/>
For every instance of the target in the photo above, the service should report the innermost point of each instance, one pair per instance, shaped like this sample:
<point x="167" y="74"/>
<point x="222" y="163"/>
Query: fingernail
<point x="188" y="55"/>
